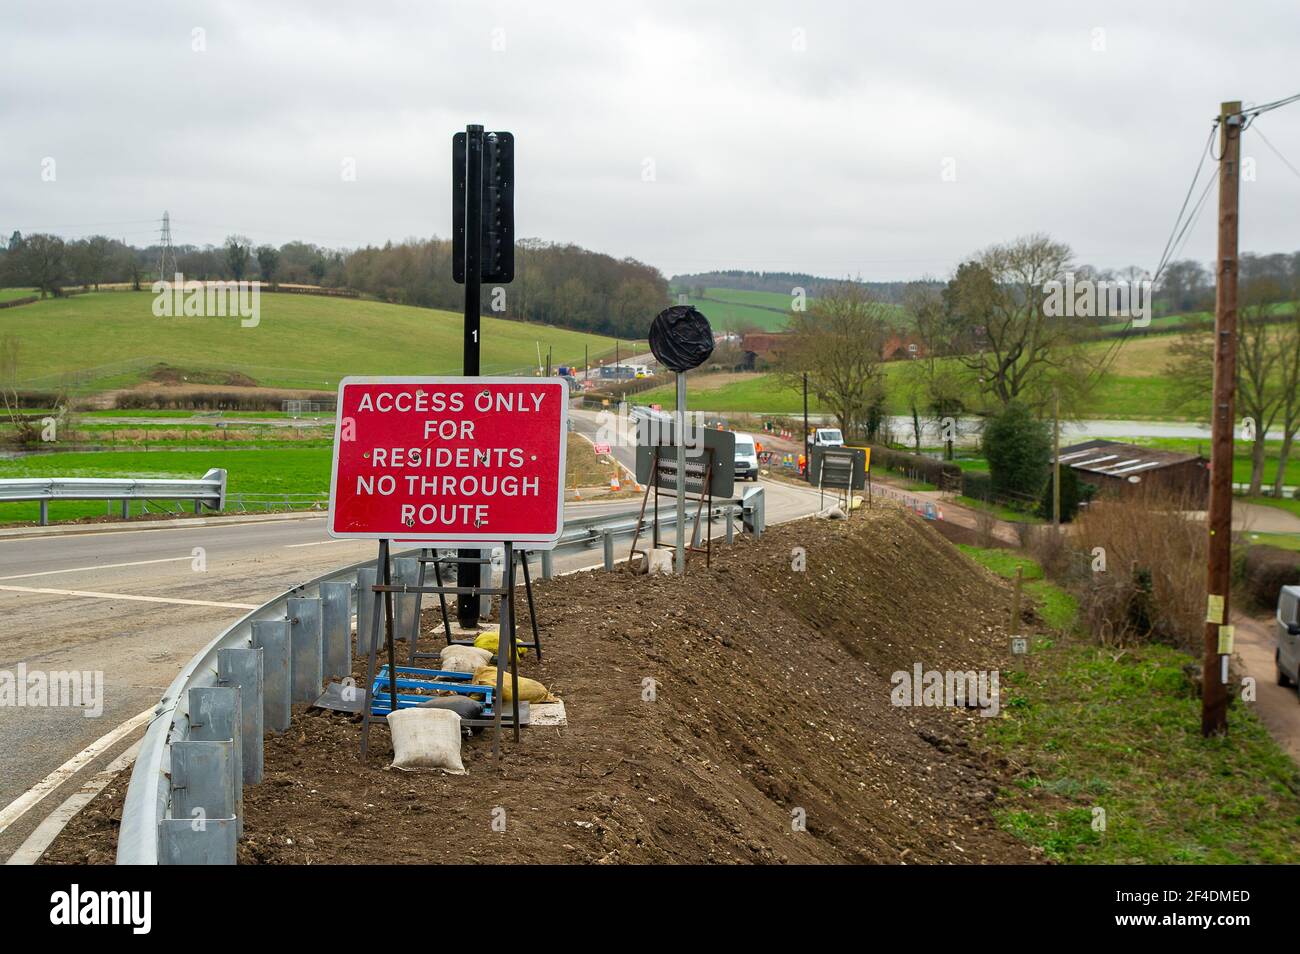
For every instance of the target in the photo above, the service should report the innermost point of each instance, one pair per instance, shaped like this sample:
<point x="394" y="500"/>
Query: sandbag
<point x="490" y="639"/>
<point x="426" y="740"/>
<point x="463" y="706"/>
<point x="530" y="690"/>
<point x="464" y="658"/>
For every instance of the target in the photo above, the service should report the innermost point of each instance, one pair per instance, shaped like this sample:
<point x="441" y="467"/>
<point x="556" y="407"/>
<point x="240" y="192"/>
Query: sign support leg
<point x="381" y="575"/>
<point x="681" y="472"/>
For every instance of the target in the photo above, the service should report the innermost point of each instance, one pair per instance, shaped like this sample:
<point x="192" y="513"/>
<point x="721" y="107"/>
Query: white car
<point x="1287" y="655"/>
<point x="746" y="458"/>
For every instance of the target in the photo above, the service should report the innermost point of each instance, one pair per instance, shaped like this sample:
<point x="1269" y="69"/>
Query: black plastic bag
<point x="681" y="338"/>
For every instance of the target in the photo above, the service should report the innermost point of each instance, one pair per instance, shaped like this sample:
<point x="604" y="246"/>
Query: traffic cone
<point x="614" y="484"/>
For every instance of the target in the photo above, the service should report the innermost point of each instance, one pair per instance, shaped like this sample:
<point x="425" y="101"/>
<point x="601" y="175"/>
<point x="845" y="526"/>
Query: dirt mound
<point x="168" y="374"/>
<point x="771" y="703"/>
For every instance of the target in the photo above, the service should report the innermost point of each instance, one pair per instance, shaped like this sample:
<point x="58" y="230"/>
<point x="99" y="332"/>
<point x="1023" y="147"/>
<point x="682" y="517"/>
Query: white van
<point x="746" y="457"/>
<point x="828" y="437"/>
<point x="1287" y="655"/>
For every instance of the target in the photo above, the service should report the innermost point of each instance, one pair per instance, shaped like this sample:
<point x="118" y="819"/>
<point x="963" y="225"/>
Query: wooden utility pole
<point x="1218" y="629"/>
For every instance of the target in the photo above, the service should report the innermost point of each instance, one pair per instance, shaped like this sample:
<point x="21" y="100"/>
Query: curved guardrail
<point x="151" y="805"/>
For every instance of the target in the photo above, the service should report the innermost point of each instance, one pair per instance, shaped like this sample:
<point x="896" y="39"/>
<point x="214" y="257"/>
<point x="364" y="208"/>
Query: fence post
<point x="126" y="508"/>
<point x="607" y="537"/>
<point x="215" y="717"/>
<point x="731" y="520"/>
<point x="242" y="668"/>
<point x="336" y="628"/>
<point x="45" y="513"/>
<point x="548" y="564"/>
<point x="272" y="637"/>
<point x="306" y="665"/>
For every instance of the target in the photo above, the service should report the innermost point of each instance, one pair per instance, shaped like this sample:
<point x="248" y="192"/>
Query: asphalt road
<point x="136" y="604"/>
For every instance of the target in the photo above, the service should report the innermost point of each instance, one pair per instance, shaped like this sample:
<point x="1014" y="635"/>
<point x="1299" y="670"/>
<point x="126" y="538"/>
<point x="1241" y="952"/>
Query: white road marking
<point x="125" y="596"/>
<point x="212" y="523"/>
<point x="30" y="851"/>
<point x="102" y="566"/>
<point x="23" y="803"/>
<point x="314" y="543"/>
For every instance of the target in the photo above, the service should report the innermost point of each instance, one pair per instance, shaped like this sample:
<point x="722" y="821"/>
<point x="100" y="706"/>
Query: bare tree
<point x="935" y="385"/>
<point x="24" y="428"/>
<point x="237" y="255"/>
<point x="1007" y="342"/>
<point x="1262" y="354"/>
<point x="837" y="342"/>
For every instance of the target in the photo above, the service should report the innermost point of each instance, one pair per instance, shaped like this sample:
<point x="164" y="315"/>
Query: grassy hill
<point x="111" y="339"/>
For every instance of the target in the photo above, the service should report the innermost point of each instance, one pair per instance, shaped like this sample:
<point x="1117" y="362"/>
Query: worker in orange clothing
<point x="803" y="464"/>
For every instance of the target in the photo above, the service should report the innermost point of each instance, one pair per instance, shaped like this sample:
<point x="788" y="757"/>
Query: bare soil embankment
<point x="771" y="702"/>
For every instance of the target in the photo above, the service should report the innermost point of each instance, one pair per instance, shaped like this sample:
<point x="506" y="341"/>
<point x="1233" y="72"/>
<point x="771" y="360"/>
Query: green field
<point x="730" y="309"/>
<point x="265" y="467"/>
<point x="275" y="469"/>
<point x="740" y="310"/>
<point x="9" y="294"/>
<point x="112" y="339"/>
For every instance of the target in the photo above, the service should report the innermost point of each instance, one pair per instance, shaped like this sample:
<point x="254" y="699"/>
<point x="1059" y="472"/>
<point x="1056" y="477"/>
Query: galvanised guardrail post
<point x="367" y="576"/>
<point x="271" y="636"/>
<point x="336" y="628"/>
<point x="242" y="668"/>
<point x="184" y="801"/>
<point x="307" y="662"/>
<point x="201" y="796"/>
<point x="215" y="717"/>
<point x="405" y="570"/>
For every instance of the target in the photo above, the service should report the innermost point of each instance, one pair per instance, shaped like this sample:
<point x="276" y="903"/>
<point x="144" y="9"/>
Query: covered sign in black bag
<point x="681" y="338"/>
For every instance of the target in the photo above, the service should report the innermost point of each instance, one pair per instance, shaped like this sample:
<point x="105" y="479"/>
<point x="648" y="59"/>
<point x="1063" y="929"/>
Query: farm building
<point x="1112" y="467"/>
<point x="898" y="347"/>
<point x="761" y="347"/>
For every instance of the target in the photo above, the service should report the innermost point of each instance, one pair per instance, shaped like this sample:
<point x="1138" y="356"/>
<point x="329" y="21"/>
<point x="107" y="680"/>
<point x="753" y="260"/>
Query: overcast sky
<point x="801" y="136"/>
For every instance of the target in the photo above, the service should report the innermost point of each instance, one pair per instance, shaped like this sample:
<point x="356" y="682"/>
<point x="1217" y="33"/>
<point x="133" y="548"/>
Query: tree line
<point x="555" y="283"/>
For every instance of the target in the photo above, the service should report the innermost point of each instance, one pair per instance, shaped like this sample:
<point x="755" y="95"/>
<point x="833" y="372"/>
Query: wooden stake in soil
<point x="1015" y="601"/>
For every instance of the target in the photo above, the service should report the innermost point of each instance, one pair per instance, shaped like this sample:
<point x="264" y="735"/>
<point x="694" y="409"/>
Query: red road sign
<point x="600" y="448"/>
<point x="451" y="460"/>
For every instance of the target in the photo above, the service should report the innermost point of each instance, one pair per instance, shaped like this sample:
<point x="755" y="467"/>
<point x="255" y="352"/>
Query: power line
<point x="1285" y="162"/>
<point x="1174" y="233"/>
<point x="1252" y="111"/>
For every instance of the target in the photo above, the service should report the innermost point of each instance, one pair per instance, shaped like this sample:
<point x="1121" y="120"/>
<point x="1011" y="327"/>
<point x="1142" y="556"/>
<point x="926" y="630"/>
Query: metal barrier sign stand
<point x="462" y="462"/>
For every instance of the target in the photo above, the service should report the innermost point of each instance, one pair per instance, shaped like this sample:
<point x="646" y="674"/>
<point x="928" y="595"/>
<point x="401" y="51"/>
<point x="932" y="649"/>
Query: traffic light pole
<point x="467" y="574"/>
